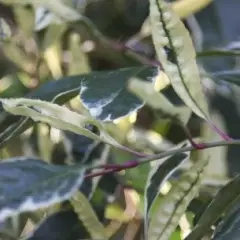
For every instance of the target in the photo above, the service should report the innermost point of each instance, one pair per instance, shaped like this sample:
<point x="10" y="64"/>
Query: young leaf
<point x="146" y="92"/>
<point x="28" y="184"/>
<point x="107" y="97"/>
<point x="175" y="203"/>
<point x="176" y="53"/>
<point x="224" y="198"/>
<point x="158" y="175"/>
<point x="86" y="214"/>
<point x="57" y="116"/>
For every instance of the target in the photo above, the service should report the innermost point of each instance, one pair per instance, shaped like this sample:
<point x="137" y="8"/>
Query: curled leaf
<point x="57" y="116"/>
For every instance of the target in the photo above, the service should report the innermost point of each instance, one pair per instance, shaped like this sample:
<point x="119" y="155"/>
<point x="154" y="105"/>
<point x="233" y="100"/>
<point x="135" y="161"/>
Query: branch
<point x="112" y="168"/>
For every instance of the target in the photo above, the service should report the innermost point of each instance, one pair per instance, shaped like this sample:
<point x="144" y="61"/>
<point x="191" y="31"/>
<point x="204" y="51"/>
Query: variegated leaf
<point x="175" y="203"/>
<point x="29" y="184"/>
<point x="57" y="116"/>
<point x="176" y="53"/>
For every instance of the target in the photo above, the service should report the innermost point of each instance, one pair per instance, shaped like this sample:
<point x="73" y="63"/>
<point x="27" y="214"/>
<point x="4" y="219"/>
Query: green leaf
<point x="176" y="54"/>
<point x="88" y="217"/>
<point x="30" y="184"/>
<point x="158" y="175"/>
<point x="107" y="97"/>
<point x="146" y="92"/>
<point x="230" y="225"/>
<point x="175" y="203"/>
<point x="221" y="202"/>
<point x="57" y="116"/>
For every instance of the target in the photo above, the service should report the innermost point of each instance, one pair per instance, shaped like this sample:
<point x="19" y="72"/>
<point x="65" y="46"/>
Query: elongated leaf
<point x="28" y="184"/>
<point x="229" y="226"/>
<point x="107" y="97"/>
<point x="62" y="225"/>
<point x="165" y="109"/>
<point x="86" y="214"/>
<point x="175" y="202"/>
<point x="176" y="53"/>
<point x="224" y="198"/>
<point x="57" y="116"/>
<point x="59" y="92"/>
<point x="158" y="175"/>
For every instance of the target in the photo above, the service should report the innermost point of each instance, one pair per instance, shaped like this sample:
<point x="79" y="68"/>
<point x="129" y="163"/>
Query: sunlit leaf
<point x="176" y="54"/>
<point x="174" y="204"/>
<point x="106" y="96"/>
<point x="57" y="116"/>
<point x="30" y="184"/>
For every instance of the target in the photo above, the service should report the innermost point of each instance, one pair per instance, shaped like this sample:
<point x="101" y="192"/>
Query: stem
<point x="134" y="163"/>
<point x="198" y="146"/>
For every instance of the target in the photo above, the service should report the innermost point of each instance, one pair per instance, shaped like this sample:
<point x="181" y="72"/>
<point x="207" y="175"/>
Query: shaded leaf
<point x="229" y="226"/>
<point x="28" y="184"/>
<point x="87" y="216"/>
<point x="106" y="96"/>
<point x="87" y="151"/>
<point x="165" y="109"/>
<point x="231" y="76"/>
<point x="158" y="175"/>
<point x="57" y="116"/>
<point x="175" y="203"/>
<point x="63" y="225"/>
<point x="176" y="53"/>
<point x="224" y="198"/>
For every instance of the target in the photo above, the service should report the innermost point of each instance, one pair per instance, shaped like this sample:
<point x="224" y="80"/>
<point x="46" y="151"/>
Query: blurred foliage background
<point x="45" y="42"/>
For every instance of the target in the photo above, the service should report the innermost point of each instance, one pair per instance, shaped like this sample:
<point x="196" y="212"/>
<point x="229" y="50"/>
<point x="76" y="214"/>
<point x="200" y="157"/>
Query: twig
<point x="112" y="168"/>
